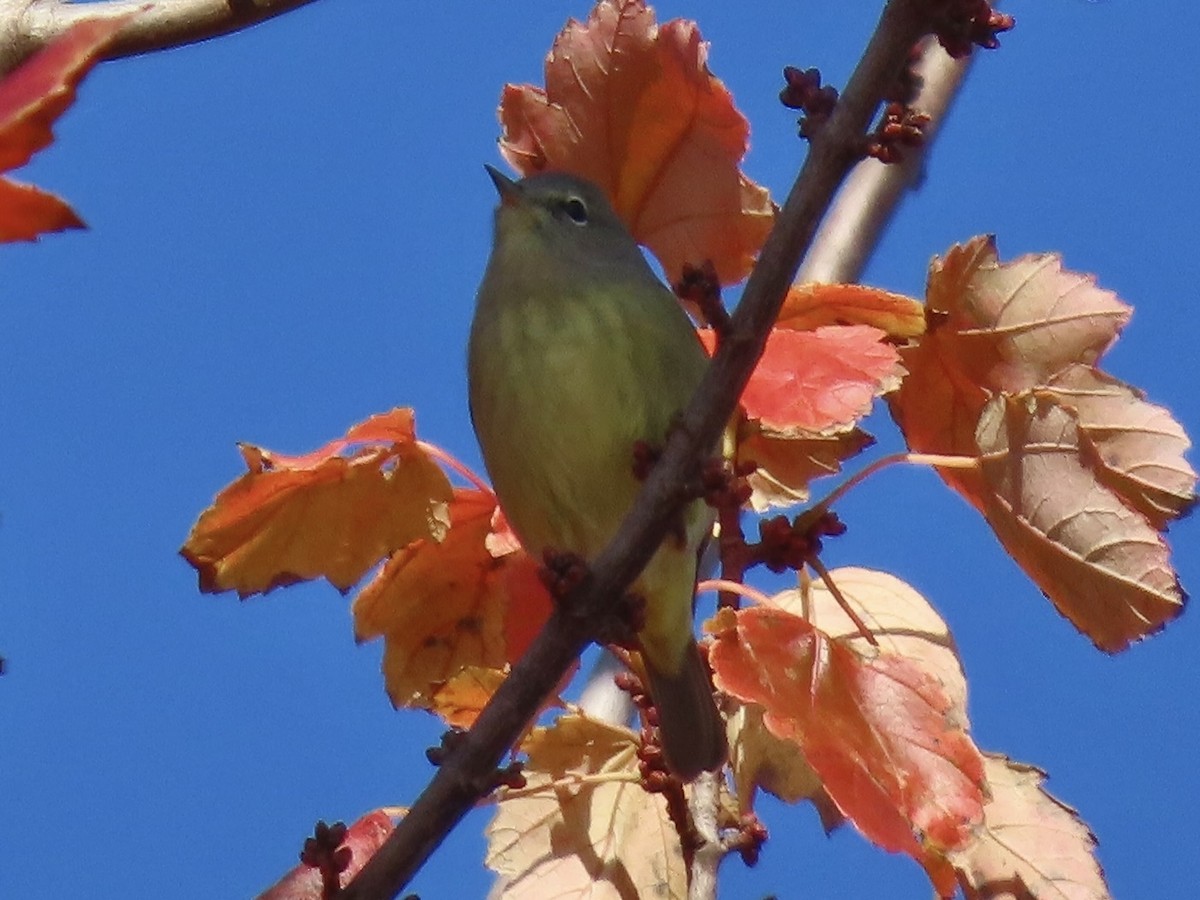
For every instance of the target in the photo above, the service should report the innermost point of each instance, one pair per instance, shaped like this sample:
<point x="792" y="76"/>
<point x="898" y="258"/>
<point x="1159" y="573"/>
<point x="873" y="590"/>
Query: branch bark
<point x="28" y="25"/>
<point x="467" y="774"/>
<point x="867" y="201"/>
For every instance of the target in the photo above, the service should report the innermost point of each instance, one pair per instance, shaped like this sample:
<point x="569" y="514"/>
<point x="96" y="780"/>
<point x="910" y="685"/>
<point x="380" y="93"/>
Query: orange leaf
<point x="442" y="607"/>
<point x="584" y="826"/>
<point x="325" y="514"/>
<point x="460" y="700"/>
<point x="1031" y="845"/>
<point x="32" y="97"/>
<point x="1017" y="323"/>
<point x="786" y="465"/>
<point x="881" y="733"/>
<point x="363" y="838"/>
<point x="812" y="383"/>
<point x="902" y="621"/>
<point x="529" y="603"/>
<point x="995" y="327"/>
<point x="1101" y="563"/>
<point x="809" y="306"/>
<point x="634" y="108"/>
<point x="1137" y="447"/>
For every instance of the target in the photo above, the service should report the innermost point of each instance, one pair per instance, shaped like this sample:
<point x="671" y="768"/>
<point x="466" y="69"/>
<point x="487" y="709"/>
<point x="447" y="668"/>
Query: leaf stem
<point x="919" y="459"/>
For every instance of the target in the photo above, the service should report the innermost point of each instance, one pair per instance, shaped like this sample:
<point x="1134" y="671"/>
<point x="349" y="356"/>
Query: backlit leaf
<point x="633" y="107"/>
<point x="881" y="733"/>
<point x="901" y="620"/>
<point x="605" y="837"/>
<point x="1101" y="563"/>
<point x="994" y="327"/>
<point x="1031" y="845"/>
<point x="460" y="700"/>
<point x="1015" y="324"/>
<point x="333" y="513"/>
<point x="761" y="760"/>
<point x="786" y="465"/>
<point x="1137" y="447"/>
<point x="32" y="97"/>
<point x="809" y="306"/>
<point x="812" y="383"/>
<point x="442" y="606"/>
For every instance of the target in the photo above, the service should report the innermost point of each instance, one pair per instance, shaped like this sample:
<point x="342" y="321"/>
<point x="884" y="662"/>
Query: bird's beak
<point x="510" y="191"/>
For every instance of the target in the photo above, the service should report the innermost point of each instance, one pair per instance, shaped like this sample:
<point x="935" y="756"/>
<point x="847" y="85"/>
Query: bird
<point x="578" y="352"/>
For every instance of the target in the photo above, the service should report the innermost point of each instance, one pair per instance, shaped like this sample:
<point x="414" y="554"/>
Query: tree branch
<point x="28" y="25"/>
<point x="466" y="775"/>
<point x="704" y="805"/>
<point x="867" y="201"/>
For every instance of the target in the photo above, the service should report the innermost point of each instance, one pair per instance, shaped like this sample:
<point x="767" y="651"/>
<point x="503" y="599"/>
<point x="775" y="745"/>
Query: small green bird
<point x="577" y="352"/>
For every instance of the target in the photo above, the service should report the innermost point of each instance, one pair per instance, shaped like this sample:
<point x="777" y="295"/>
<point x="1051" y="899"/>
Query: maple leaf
<point x="462" y="698"/>
<point x="995" y="327"/>
<point x="32" y="97"/>
<point x="633" y="107"/>
<point x="583" y="825"/>
<point x="784" y="464"/>
<point x="1101" y="563"/>
<point x="813" y="383"/>
<point x="802" y="401"/>
<point x="363" y="838"/>
<point x="881" y="733"/>
<point x="1078" y="471"/>
<point x="1031" y="844"/>
<point x="442" y="607"/>
<point x="809" y="306"/>
<point x="760" y="759"/>
<point x="333" y="513"/>
<point x="900" y="619"/>
<point x="902" y="622"/>
<point x="1137" y="448"/>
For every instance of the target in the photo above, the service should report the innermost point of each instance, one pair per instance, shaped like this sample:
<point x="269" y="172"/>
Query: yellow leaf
<point x="583" y="826"/>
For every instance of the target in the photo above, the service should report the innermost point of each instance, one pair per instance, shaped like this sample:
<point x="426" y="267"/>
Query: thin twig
<point x="868" y="200"/>
<point x="836" y="593"/>
<point x="734" y="587"/>
<point x="465" y="774"/>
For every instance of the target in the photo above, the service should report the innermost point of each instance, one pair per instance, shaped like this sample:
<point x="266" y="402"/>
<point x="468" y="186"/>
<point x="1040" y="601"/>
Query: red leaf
<point x="32" y="97"/>
<point x="811" y="383"/>
<point x="634" y="108"/>
<point x="879" y="731"/>
<point x="26" y="212"/>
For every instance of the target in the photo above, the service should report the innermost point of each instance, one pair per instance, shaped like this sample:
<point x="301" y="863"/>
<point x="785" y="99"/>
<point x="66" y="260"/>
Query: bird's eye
<point x="576" y="210"/>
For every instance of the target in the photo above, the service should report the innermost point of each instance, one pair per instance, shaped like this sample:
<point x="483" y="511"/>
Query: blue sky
<point x="287" y="228"/>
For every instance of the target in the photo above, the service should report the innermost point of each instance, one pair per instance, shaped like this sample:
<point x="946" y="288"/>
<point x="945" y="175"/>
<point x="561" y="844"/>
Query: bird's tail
<point x="690" y="728"/>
